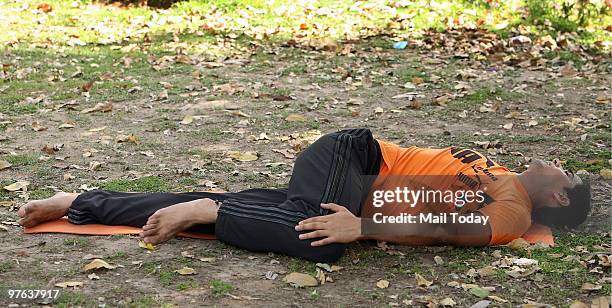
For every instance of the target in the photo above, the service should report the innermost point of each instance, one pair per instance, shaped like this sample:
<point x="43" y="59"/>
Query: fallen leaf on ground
<point x="67" y="284"/>
<point x="518" y="244"/>
<point x="36" y="126"/>
<point x="382" y="284"/>
<point x="97" y="264"/>
<point x="187" y="120"/>
<point x="19" y="185"/>
<point x="186" y="271"/>
<point x="102" y="107"/>
<point x="147" y="246"/>
<point x="243" y="156"/>
<point x="4" y="164"/>
<point x="605" y="173"/>
<point x="590" y="287"/>
<point x="479" y="292"/>
<point x="422" y="282"/>
<point x="295" y="118"/>
<point x="300" y="280"/>
<point x="601" y="302"/>
<point x="66" y="125"/>
<point x="497" y="299"/>
<point x="93" y="276"/>
<point x="447" y="301"/>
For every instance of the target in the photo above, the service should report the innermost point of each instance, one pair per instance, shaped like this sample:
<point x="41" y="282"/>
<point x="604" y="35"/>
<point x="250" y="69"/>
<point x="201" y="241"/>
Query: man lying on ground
<point x="329" y="200"/>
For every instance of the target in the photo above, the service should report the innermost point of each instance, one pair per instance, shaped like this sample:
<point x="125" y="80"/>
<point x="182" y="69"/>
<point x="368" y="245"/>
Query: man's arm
<point x="344" y="227"/>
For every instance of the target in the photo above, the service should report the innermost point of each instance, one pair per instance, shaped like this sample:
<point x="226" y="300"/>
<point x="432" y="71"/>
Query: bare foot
<point x="167" y="222"/>
<point x="39" y="211"/>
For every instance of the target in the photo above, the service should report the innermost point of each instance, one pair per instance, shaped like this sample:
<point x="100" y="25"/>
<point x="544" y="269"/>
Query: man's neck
<point x="530" y="186"/>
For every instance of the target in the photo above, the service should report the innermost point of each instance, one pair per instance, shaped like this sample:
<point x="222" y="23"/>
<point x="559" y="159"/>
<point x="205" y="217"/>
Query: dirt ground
<point x="177" y="134"/>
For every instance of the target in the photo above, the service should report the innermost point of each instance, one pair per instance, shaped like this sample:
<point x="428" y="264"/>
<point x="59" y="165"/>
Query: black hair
<point x="570" y="216"/>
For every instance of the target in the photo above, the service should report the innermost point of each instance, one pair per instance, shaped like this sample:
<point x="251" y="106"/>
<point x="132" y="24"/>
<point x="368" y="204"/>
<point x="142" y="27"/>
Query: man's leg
<point x="331" y="170"/>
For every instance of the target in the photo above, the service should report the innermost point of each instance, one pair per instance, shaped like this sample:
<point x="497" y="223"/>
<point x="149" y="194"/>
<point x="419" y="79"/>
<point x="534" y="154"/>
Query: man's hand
<point x="340" y="227"/>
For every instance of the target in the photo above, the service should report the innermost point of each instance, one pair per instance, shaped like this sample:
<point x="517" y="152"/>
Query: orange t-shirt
<point x="450" y="169"/>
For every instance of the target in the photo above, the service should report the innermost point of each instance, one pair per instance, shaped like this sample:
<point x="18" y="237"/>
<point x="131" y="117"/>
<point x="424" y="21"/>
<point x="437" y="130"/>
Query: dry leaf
<point x="19" y="185"/>
<point x="187" y="120"/>
<point x="382" y="284"/>
<point x="147" y="246"/>
<point x="86" y="87"/>
<point x="508" y="126"/>
<point x="93" y="276"/>
<point x="295" y="118"/>
<point x="422" y="282"/>
<point x="497" y="299"/>
<point x="479" y="292"/>
<point x="300" y="280"/>
<point x="601" y="302"/>
<point x="447" y="302"/>
<point x="97" y="129"/>
<point x="243" y="156"/>
<point x="605" y="173"/>
<point x="67" y="125"/>
<point x="67" y="284"/>
<point x="102" y="107"/>
<point x="379" y="110"/>
<point x="4" y="164"/>
<point x="186" y="271"/>
<point x="518" y="244"/>
<point x="36" y="126"/>
<point x="97" y="264"/>
<point x="487" y="271"/>
<point x="590" y="287"/>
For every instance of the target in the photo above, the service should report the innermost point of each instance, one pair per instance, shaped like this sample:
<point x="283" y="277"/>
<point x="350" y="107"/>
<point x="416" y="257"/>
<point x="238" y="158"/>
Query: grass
<point x="144" y="184"/>
<point x="24" y="159"/>
<point x="5" y="266"/>
<point x="220" y="288"/>
<point x="73" y="298"/>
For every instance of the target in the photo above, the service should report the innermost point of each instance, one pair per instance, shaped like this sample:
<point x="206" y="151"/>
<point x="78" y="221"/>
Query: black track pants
<point x="331" y="170"/>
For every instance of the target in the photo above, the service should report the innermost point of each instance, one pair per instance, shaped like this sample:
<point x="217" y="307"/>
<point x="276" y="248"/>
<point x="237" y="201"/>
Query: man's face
<point x="556" y="178"/>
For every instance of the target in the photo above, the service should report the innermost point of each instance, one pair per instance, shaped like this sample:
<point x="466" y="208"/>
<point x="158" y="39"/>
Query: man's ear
<point x="562" y="198"/>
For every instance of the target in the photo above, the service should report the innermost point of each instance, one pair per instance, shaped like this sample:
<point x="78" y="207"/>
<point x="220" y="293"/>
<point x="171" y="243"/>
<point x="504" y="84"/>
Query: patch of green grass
<point x="117" y="255"/>
<point x="73" y="299"/>
<point x="408" y="74"/>
<point x="206" y="133"/>
<point x="167" y="276"/>
<point x="145" y="301"/>
<point x="314" y="295"/>
<point x="144" y="184"/>
<point x="5" y="266"/>
<point x="482" y="95"/>
<point x="79" y="241"/>
<point x="41" y="194"/>
<point x="298" y="69"/>
<point x="220" y="288"/>
<point x="301" y="265"/>
<point x="25" y="159"/>
<point x="186" y="285"/>
<point x="162" y="124"/>
<point x="590" y="159"/>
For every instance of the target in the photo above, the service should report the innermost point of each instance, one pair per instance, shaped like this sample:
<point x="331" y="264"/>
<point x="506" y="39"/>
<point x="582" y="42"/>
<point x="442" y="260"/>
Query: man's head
<point x="562" y="199"/>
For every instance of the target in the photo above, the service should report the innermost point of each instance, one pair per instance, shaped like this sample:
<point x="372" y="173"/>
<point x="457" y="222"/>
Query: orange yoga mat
<point x="536" y="233"/>
<point x="63" y="226"/>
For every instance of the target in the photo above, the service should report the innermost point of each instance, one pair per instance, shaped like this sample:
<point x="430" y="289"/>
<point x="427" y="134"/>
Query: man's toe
<point x="22" y="210"/>
<point x="148" y="233"/>
<point x="149" y="227"/>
